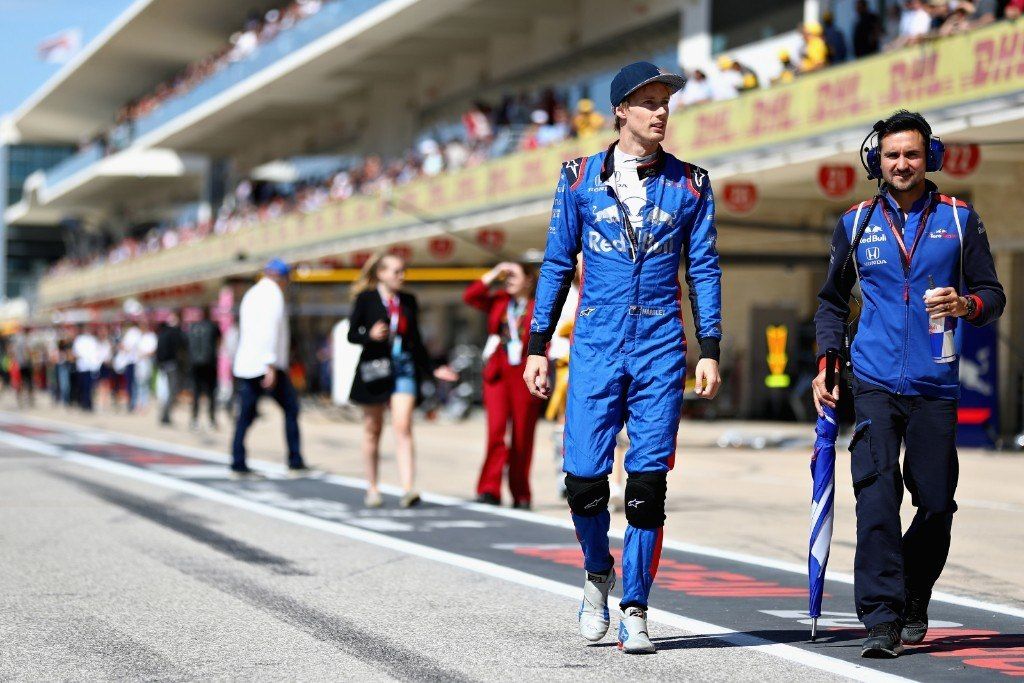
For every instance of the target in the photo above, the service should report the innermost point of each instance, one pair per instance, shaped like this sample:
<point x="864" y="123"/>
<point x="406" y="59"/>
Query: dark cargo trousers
<point x="890" y="565"/>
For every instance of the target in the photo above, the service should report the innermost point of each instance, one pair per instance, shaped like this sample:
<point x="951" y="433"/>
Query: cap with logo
<point x="276" y="266"/>
<point x="638" y="74"/>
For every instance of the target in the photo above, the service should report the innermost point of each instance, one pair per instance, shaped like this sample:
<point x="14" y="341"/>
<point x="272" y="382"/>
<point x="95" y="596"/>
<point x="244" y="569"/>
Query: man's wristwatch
<point x="971" y="305"/>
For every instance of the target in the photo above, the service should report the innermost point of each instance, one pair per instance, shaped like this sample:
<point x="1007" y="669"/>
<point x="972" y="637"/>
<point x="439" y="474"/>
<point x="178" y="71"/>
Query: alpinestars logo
<point x="635" y="503"/>
<point x="593" y="503"/>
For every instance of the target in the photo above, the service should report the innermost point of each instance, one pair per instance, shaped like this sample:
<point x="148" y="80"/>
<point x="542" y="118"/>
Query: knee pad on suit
<point x="588" y="496"/>
<point x="645" y="499"/>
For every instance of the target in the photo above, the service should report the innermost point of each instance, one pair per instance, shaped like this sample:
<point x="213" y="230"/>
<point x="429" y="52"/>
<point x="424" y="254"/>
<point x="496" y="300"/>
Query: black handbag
<point x="375" y="370"/>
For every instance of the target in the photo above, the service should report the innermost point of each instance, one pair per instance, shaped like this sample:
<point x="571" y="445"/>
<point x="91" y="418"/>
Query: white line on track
<point x="739" y="639"/>
<point x="95" y="435"/>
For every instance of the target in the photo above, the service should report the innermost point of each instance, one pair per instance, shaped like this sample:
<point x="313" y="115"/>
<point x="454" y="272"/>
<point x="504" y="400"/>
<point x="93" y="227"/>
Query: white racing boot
<point x="593" y="614"/>
<point x="633" y="637"/>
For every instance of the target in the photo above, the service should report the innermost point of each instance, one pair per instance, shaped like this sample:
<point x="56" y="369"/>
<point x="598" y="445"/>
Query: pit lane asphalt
<point x="107" y="577"/>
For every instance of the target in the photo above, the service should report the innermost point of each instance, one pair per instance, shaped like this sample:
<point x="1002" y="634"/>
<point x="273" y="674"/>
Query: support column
<point x="695" y="29"/>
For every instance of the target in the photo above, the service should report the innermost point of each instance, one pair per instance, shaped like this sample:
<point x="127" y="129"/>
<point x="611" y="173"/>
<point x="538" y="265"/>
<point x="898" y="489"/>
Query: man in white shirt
<point x="261" y="365"/>
<point x="146" y="350"/>
<point x="87" y="364"/>
<point x="130" y="356"/>
<point x="915" y="24"/>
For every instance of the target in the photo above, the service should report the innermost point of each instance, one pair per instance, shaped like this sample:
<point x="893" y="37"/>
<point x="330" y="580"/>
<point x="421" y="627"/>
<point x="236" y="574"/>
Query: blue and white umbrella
<point x="823" y="471"/>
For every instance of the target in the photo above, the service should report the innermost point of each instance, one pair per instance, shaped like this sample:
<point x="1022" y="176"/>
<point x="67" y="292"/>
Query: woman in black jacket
<point x="392" y="365"/>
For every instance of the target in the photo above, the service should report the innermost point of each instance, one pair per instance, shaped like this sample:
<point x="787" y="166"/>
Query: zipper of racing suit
<point x="905" y="260"/>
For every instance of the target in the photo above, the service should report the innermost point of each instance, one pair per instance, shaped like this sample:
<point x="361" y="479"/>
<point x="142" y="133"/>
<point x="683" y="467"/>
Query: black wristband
<point x="537" y="346"/>
<point x="710" y="347"/>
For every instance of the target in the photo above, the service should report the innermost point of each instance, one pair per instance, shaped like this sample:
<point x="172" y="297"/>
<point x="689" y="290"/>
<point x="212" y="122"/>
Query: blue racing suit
<point x="628" y="358"/>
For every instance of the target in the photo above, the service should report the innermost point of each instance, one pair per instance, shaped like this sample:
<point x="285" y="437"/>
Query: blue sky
<point x="24" y="23"/>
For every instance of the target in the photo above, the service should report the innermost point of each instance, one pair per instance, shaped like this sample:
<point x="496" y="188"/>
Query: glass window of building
<point x="735" y="23"/>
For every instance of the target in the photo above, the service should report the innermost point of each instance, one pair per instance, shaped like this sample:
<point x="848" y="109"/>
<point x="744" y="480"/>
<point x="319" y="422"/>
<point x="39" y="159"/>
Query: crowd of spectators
<point x="522" y="121"/>
<point x="259" y="29"/>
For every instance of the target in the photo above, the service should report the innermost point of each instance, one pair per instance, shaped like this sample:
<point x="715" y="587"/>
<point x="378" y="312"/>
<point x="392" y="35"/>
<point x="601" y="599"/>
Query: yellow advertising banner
<point x="981" y="64"/>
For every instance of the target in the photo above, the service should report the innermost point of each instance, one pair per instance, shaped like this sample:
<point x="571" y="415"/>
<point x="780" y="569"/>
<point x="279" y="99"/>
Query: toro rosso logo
<point x="611" y="215"/>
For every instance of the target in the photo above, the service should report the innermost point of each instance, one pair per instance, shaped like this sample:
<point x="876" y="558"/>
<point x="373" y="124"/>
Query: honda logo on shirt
<point x="872" y="253"/>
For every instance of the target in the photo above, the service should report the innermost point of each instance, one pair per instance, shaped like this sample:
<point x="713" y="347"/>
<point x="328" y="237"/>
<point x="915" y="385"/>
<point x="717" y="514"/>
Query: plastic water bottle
<point x="941" y="332"/>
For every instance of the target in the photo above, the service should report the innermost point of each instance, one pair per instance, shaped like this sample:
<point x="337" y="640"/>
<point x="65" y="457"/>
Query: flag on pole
<point x="60" y="47"/>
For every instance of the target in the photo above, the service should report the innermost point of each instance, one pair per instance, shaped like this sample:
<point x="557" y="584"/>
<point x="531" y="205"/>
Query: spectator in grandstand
<point x="170" y="348"/>
<point x="788" y="71"/>
<point x="203" y="344"/>
<point x="586" y="123"/>
<point x="696" y="91"/>
<point x="814" y="54"/>
<point x="508" y="402"/>
<point x="960" y="19"/>
<point x="393" y="364"/>
<point x="834" y="39"/>
<point x="740" y="75"/>
<point x="261" y="366"/>
<point x="939" y="10"/>
<point x="915" y="24"/>
<point x="85" y="349"/>
<point x="556" y="130"/>
<point x="867" y="32"/>
<point x="477" y="123"/>
<point x="1014" y="9"/>
<point x="985" y="13"/>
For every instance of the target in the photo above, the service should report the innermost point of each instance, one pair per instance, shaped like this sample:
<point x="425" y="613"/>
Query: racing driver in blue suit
<point x="633" y="211"/>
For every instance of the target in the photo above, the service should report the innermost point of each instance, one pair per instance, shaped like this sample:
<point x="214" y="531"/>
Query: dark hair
<point x="904" y="120"/>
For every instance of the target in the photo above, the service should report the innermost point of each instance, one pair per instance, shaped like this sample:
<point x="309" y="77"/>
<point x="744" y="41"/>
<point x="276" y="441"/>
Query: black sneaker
<point x="521" y="505"/>
<point x="245" y="474"/>
<point x="488" y="499"/>
<point x="915" y="620"/>
<point x="883" y="642"/>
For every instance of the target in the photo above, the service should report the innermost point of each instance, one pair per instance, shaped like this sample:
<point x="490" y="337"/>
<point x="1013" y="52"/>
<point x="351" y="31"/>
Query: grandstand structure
<point x="375" y="77"/>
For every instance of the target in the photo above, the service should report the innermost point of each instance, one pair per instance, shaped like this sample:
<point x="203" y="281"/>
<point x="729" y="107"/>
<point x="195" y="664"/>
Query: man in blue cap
<point x="261" y="365"/>
<point x="634" y="211"/>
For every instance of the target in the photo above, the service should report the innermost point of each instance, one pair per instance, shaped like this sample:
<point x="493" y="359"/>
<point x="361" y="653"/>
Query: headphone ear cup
<point x="936" y="155"/>
<point x="874" y="159"/>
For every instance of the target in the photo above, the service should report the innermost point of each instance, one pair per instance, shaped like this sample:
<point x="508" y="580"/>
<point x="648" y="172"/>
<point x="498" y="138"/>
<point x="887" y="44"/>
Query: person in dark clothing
<point x="924" y="262"/>
<point x="170" y="347"/>
<point x="203" y="343"/>
<point x="867" y="32"/>
<point x="834" y="39"/>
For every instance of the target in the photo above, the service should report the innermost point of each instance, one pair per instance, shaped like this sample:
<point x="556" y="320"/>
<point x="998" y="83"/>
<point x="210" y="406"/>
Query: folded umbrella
<point x="823" y="471"/>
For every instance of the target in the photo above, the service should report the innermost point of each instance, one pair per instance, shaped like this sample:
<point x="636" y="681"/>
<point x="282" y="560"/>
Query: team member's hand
<point x="822" y="395"/>
<point x="708" y="381"/>
<point x="446" y="374"/>
<point x="379" y="331"/>
<point x="269" y="377"/>
<point x="944" y="301"/>
<point x="536" y="376"/>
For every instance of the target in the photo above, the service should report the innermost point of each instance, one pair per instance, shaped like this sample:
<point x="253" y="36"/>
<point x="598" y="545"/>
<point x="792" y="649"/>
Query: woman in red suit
<point x="509" y="312"/>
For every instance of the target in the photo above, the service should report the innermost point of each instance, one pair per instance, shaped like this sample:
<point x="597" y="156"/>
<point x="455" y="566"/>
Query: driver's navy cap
<point x="638" y="74"/>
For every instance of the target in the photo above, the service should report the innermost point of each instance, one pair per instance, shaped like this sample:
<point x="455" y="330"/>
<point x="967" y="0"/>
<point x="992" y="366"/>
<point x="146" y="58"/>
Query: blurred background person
<point x="146" y="354"/>
<point x="914" y="24"/>
<point x="835" y="41"/>
<point x="586" y="123"/>
<point x="867" y="32"/>
<point x="789" y="70"/>
<point x="508" y="402"/>
<point x="558" y="354"/>
<point x="393" y="364"/>
<point x="130" y="348"/>
<point x="85" y="349"/>
<point x="170" y="347"/>
<point x="814" y="54"/>
<point x="261" y="366"/>
<point x="696" y="91"/>
<point x="203" y="344"/>
<point x="106" y="381"/>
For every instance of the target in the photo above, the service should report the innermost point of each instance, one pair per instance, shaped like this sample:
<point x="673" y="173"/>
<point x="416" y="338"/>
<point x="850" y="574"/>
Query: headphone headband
<point x="871" y="154"/>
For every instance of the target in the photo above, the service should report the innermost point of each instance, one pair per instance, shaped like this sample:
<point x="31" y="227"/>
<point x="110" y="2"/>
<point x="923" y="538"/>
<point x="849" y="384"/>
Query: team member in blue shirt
<point x="911" y="240"/>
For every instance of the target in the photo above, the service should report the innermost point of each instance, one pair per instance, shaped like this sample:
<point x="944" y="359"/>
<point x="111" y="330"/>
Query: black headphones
<point x="871" y="154"/>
